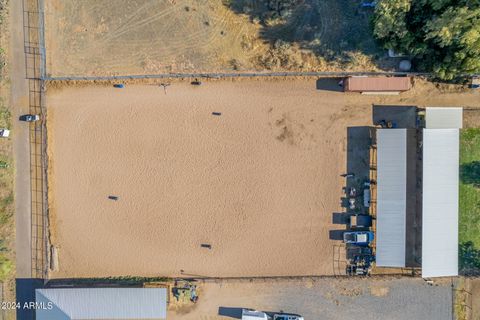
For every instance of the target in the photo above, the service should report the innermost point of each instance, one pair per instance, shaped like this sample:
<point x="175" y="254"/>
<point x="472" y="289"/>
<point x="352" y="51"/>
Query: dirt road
<point x="19" y="98"/>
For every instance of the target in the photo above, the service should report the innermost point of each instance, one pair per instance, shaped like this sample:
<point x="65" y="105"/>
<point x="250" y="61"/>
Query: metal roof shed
<point x="377" y="84"/>
<point x="444" y="118"/>
<point x="102" y="303"/>
<point x="391" y="197"/>
<point x="440" y="202"/>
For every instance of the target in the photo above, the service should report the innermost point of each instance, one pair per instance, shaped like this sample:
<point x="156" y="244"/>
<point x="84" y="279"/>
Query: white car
<point x="29" y="117"/>
<point x="4" y="133"/>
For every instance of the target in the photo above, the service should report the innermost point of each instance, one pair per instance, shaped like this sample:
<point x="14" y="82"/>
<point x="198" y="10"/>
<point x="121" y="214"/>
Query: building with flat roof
<point x="396" y="151"/>
<point x="440" y="202"/>
<point x="377" y="84"/>
<point x="101" y="303"/>
<point x="443" y="118"/>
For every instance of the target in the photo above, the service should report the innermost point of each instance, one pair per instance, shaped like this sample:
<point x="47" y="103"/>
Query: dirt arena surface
<point x="259" y="183"/>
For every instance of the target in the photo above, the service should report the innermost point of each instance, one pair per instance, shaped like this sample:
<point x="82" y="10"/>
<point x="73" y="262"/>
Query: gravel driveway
<point x="393" y="299"/>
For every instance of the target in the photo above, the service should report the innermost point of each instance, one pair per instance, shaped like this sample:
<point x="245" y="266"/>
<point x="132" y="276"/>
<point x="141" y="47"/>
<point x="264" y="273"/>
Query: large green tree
<point x="443" y="36"/>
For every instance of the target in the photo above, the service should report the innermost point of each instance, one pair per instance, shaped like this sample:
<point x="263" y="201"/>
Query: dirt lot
<point x="328" y="299"/>
<point x="259" y="183"/>
<point x="103" y="37"/>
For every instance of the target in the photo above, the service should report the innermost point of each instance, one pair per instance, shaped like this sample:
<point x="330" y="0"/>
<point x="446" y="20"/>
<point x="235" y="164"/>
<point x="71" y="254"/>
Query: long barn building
<point x="418" y="176"/>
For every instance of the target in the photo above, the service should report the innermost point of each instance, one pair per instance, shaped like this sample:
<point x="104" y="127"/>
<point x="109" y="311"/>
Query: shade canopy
<point x="391" y="197"/>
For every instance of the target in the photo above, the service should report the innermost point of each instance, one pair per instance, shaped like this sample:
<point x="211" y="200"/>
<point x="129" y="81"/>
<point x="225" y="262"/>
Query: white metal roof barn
<point x="440" y="202"/>
<point x="102" y="303"/>
<point x="441" y="149"/>
<point x="391" y="197"/>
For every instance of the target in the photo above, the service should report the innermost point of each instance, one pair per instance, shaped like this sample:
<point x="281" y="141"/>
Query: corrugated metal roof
<point x="377" y="84"/>
<point x="102" y="303"/>
<point x="440" y="202"/>
<point x="391" y="197"/>
<point x="444" y="118"/>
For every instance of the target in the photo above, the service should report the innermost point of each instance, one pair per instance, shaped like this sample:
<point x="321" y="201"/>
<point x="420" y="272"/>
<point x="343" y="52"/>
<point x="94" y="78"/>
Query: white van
<point x="249" y="314"/>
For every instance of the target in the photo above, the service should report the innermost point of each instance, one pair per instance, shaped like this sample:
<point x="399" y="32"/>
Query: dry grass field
<point x="259" y="183"/>
<point x="103" y="37"/>
<point x="92" y="37"/>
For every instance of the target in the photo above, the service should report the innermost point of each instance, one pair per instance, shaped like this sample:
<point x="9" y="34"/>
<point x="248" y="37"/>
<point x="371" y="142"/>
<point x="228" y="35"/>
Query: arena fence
<point x="33" y="21"/>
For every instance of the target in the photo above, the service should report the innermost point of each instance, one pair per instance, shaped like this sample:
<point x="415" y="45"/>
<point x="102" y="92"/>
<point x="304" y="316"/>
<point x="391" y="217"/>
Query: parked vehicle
<point x="29" y="117"/>
<point x="361" y="238"/>
<point x="354" y="270"/>
<point x="119" y="85"/>
<point x="475" y="82"/>
<point x="4" y="133"/>
<point x="286" y="316"/>
<point x="249" y="314"/>
<point x="358" y="221"/>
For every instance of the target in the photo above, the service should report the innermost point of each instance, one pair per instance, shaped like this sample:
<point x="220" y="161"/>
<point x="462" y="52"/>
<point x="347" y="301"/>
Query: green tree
<point x="443" y="36"/>
<point x="390" y="22"/>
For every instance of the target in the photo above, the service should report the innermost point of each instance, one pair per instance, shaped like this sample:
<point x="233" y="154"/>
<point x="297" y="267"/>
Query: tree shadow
<point x="470" y="173"/>
<point x="469" y="259"/>
<point x="336" y="30"/>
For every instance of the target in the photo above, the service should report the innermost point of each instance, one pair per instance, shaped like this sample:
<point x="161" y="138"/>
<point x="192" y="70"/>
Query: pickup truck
<point x="249" y="314"/>
<point x="361" y="238"/>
